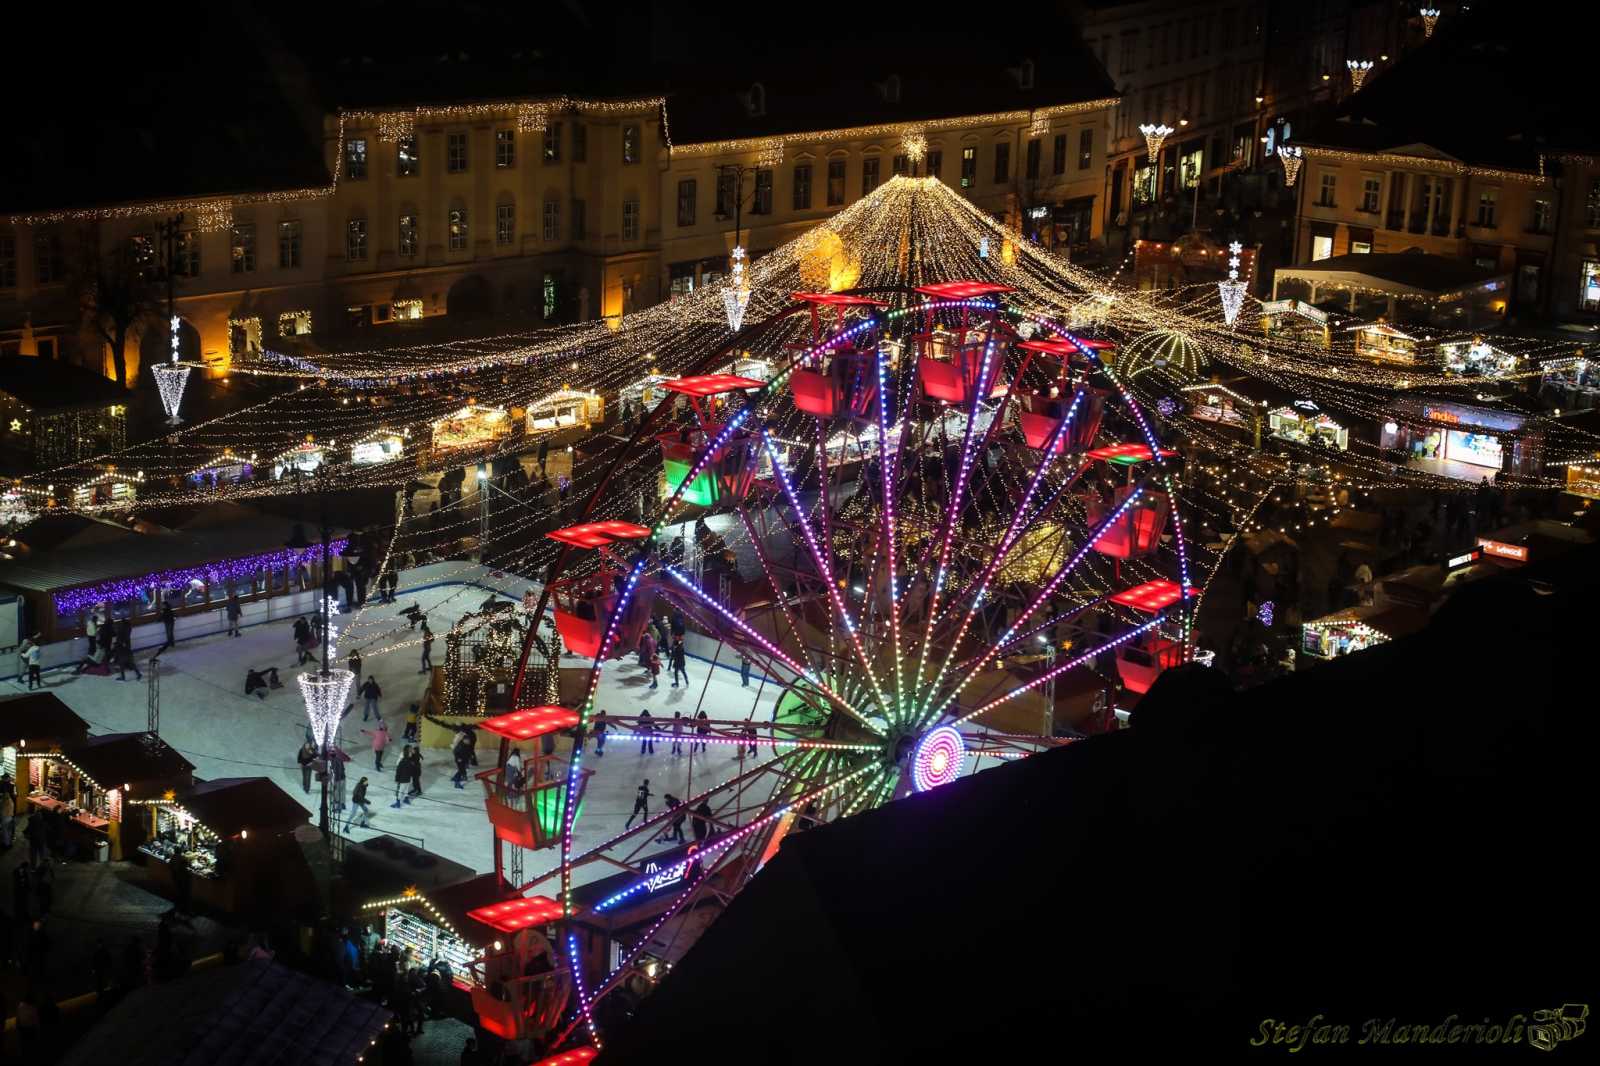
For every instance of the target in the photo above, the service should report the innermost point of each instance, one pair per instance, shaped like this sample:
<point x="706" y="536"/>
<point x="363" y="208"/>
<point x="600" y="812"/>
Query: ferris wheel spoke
<point x="780" y="598"/>
<point x="832" y="587"/>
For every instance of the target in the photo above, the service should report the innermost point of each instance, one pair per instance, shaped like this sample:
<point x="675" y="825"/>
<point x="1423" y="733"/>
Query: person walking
<point x="647" y="650"/>
<point x="169" y="622"/>
<point x="749" y="733"/>
<point x="380" y="741"/>
<point x="411" y="723"/>
<point x="660" y="627"/>
<point x="679" y="663"/>
<point x="677" y="732"/>
<point x="655" y="671"/>
<point x="600" y="735"/>
<point x="336" y="781"/>
<point x="703" y="729"/>
<point x="360" y="808"/>
<point x="370" y="693"/>
<point x="427" y="649"/>
<point x="744" y="670"/>
<point x="303" y="642"/>
<point x="702" y="821"/>
<point x="544" y="454"/>
<point x="647" y="730"/>
<point x="641" y="804"/>
<point x="680" y="815"/>
<point x="8" y="820"/>
<point x="402" y="778"/>
<point x="678" y="626"/>
<point x="462" y="754"/>
<point x="233" y="612"/>
<point x="307" y="756"/>
<point x="512" y="774"/>
<point x="414" y="754"/>
<point x="671" y="803"/>
<point x="30" y="658"/>
<point x="122" y="654"/>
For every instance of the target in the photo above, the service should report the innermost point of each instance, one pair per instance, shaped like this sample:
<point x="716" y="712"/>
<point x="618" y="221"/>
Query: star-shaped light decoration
<point x="1232" y="290"/>
<point x="736" y="297"/>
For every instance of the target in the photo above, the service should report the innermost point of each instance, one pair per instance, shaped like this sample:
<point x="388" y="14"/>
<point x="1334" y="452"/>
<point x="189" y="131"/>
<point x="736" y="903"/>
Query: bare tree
<point x="118" y="292"/>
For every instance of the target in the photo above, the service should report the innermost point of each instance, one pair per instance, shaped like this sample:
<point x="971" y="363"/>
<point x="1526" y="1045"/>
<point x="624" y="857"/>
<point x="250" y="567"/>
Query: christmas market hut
<point x="38" y="722"/>
<point x="97" y="783"/>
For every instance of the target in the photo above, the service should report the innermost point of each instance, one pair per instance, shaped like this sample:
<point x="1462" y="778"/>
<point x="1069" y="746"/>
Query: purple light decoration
<point x="73" y="601"/>
<point x="1167" y="406"/>
<point x="937" y="758"/>
<point x="577" y="980"/>
<point x="1264" y="613"/>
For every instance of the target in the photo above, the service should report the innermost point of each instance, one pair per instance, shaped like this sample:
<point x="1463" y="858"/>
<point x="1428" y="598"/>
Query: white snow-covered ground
<point x="207" y="717"/>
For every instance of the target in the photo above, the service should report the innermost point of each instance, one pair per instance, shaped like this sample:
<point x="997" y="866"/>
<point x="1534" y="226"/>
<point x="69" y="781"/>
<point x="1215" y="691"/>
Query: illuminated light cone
<point x="736" y="297"/>
<point x="1430" y="16"/>
<point x="1154" y="135"/>
<point x="1232" y="291"/>
<point x="1359" y="69"/>
<point x="1291" y="164"/>
<point x="326" y="696"/>
<point x="170" y="380"/>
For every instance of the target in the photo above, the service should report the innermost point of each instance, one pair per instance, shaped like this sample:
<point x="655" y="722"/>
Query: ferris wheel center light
<point x="937" y="758"/>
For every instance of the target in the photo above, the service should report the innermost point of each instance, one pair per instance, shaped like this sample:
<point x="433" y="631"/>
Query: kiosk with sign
<point x="1474" y="358"/>
<point x="1304" y="423"/>
<point x="1384" y="343"/>
<point x="1356" y="628"/>
<point x="1296" y="320"/>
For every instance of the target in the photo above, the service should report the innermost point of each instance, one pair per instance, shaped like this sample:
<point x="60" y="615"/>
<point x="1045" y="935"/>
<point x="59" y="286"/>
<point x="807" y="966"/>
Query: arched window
<point x="408" y="231"/>
<point x="456" y="226"/>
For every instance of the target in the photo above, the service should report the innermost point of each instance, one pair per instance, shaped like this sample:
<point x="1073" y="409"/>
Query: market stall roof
<point x="128" y="758"/>
<point x="530" y="722"/>
<point x="1401" y="273"/>
<point x="1392" y="621"/>
<point x="248" y="1014"/>
<point x="1151" y="596"/>
<point x="39" y="716"/>
<point x="596" y="534"/>
<point x="511" y="915"/>
<point x="576" y="1057"/>
<point x="1127" y="454"/>
<point x="452" y="905"/>
<point x="839" y="299"/>
<point x="50" y="384"/>
<point x="231" y="804"/>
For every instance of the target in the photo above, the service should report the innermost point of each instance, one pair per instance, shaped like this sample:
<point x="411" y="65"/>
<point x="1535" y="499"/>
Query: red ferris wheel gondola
<point x="584" y="605"/>
<point x="842" y="379"/>
<point x="951" y="362"/>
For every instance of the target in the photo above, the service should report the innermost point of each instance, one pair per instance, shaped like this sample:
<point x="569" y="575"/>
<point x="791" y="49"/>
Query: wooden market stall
<point x="226" y="468"/>
<point x="472" y="426"/>
<point x="38" y="722"/>
<point x="304" y="457"/>
<point x="236" y="837"/>
<point x="565" y="408"/>
<point x="379" y="446"/>
<point x="107" y="488"/>
<point x="97" y="782"/>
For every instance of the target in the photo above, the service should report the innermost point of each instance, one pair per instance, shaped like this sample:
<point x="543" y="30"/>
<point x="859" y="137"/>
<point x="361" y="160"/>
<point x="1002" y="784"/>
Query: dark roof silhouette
<point x="1396" y="834"/>
<point x="1432" y="273"/>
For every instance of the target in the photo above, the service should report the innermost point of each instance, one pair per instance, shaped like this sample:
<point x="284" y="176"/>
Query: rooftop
<point x="231" y="804"/>
<point x="1409" y="271"/>
<point x="43" y="384"/>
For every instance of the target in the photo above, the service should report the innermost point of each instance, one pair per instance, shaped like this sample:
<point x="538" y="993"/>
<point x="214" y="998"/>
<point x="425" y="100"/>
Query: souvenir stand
<point x="564" y="409"/>
<point x="36" y="723"/>
<point x="99" y="782"/>
<point x="237" y="836"/>
<point x="1384" y="343"/>
<point x="107" y="488"/>
<point x="380" y="446"/>
<point x="304" y="457"/>
<point x="1308" y="426"/>
<point x="472" y="426"/>
<point x="226" y="468"/>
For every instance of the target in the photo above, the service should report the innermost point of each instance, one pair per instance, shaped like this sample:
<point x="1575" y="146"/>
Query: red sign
<point x="1514" y="552"/>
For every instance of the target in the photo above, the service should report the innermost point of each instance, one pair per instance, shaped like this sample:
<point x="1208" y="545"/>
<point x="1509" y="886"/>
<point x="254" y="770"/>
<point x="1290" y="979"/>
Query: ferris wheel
<point x="934" y="508"/>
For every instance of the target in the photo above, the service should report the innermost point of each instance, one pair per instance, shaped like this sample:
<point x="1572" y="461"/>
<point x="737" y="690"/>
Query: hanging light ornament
<point x="1291" y="164"/>
<point x="915" y="146"/>
<point x="1359" y="69"/>
<point x="736" y="297"/>
<point x="214" y="216"/>
<point x="771" y="153"/>
<point x="1154" y="135"/>
<point x="1040" y="124"/>
<point x="326" y="694"/>
<point x="1430" y="15"/>
<point x="531" y="118"/>
<point x="1232" y="290"/>
<point x="396" y="126"/>
<point x="171" y="379"/>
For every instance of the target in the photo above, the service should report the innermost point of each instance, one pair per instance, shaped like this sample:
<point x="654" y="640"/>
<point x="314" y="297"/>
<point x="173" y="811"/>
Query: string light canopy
<point x="1155" y="134"/>
<point x="1359" y="69"/>
<point x="1232" y="290"/>
<point x="1430" y="18"/>
<point x="1291" y="156"/>
<point x="326" y="695"/>
<point x="770" y="154"/>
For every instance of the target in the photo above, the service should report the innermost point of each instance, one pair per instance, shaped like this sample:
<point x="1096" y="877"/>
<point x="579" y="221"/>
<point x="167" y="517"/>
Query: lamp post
<point x="325" y="692"/>
<point x="170" y="378"/>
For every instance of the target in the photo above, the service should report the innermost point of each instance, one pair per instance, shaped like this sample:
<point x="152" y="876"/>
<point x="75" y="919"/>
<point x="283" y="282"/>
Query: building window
<point x="1528" y="283"/>
<point x="580" y="143"/>
<point x="355" y="239"/>
<point x="294" y="323"/>
<point x="1540" y="223"/>
<point x="1321" y="247"/>
<point x="455" y="158"/>
<point x="1487" y="198"/>
<point x="1360" y="247"/>
<point x="901" y="165"/>
<point x="726" y="192"/>
<point x="1002" y="163"/>
<point x="630" y="144"/>
<point x="1370" y="189"/>
<point x="457" y="224"/>
<point x="548" y="291"/>
<point x="630" y="220"/>
<point x="1058" y="155"/>
<point x="505" y="223"/>
<point x="407" y="160"/>
<point x="289" y="245"/>
<point x="408" y="234"/>
<point x="969" y="167"/>
<point x="1031" y="161"/>
<point x="935" y="163"/>
<point x="1085" y="148"/>
<point x="1593" y="207"/>
<point x="47" y="265"/>
<point x="407" y="310"/>
<point x="1330" y="182"/>
<point x="1589" y="285"/>
<point x="552" y="142"/>
<point x="8" y="261"/>
<point x="1130" y="49"/>
<point x="762" y="204"/>
<point x="355" y="159"/>
<point x="835" y="182"/>
<point x="802" y="187"/>
<point x="505" y="148"/>
<point x="144" y="255"/>
<point x="579" y="216"/>
<point x="869" y="175"/>
<point x="686" y="198"/>
<point x="244" y="248"/>
<point x="189" y="254"/>
<point x="552" y="220"/>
